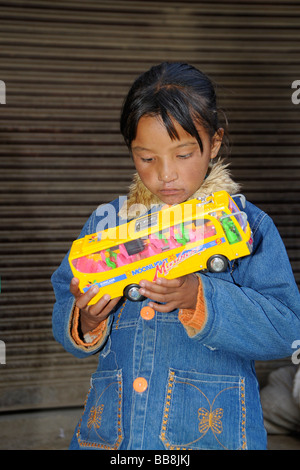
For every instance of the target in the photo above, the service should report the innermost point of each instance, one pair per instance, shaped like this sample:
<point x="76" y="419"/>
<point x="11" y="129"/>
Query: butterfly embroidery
<point x="95" y="417"/>
<point x="210" y="420"/>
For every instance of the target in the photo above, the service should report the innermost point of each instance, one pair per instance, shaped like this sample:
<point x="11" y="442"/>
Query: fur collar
<point x="218" y="179"/>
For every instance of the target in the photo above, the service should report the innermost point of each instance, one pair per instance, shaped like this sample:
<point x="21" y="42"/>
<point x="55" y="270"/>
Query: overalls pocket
<point x="204" y="411"/>
<point x="101" y="424"/>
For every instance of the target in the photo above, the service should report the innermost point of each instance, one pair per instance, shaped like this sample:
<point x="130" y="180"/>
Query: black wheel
<point x="131" y="292"/>
<point x="217" y="264"/>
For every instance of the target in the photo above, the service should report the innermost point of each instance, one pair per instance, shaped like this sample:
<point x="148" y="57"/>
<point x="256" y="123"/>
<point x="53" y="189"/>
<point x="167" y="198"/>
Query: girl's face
<point x="173" y="170"/>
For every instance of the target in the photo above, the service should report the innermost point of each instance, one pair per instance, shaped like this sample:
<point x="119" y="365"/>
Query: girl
<point x="176" y="371"/>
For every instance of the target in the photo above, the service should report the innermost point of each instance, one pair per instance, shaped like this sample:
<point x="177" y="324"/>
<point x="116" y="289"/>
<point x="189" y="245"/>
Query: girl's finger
<point x="99" y="307"/>
<point x="74" y="289"/>
<point x="149" y="287"/>
<point x="104" y="305"/>
<point x="161" y="285"/>
<point x="163" y="308"/>
<point x="172" y="283"/>
<point x="84" y="299"/>
<point x="158" y="296"/>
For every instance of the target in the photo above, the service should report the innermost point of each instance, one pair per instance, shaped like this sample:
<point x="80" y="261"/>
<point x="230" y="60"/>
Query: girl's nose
<point x="167" y="173"/>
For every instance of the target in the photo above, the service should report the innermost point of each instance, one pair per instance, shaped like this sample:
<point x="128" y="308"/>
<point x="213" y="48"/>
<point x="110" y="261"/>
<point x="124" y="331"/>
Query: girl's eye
<point x="184" y="156"/>
<point x="147" y="160"/>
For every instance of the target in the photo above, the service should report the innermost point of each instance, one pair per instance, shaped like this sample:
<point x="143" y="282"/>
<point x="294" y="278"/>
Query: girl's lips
<point x="172" y="195"/>
<point x="169" y="191"/>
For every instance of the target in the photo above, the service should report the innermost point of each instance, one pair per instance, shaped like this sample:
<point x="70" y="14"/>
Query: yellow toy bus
<point x="199" y="234"/>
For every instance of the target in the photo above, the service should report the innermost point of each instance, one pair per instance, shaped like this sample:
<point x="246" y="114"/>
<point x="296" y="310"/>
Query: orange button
<point x="140" y="384"/>
<point x="147" y="313"/>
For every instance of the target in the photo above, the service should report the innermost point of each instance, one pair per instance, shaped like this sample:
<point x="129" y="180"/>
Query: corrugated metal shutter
<point x="67" y="66"/>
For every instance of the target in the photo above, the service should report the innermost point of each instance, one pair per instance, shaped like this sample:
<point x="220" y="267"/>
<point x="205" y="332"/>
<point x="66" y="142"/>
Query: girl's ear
<point x="216" y="142"/>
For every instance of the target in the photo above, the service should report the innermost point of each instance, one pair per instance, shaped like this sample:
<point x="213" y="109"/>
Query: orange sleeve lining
<point x="195" y="318"/>
<point x="92" y="337"/>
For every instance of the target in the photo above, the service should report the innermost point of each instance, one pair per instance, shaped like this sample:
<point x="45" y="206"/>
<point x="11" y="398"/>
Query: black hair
<point x="171" y="89"/>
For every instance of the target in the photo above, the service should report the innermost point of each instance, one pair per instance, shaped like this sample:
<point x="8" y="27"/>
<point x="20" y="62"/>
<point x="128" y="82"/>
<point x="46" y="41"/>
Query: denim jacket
<point x="157" y="387"/>
<point x="162" y="385"/>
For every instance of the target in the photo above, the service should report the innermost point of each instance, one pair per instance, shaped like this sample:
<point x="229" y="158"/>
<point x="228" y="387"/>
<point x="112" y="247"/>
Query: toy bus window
<point x="205" y="228"/>
<point x="231" y="232"/>
<point x="154" y="244"/>
<point x="233" y="207"/>
<point x="240" y="216"/>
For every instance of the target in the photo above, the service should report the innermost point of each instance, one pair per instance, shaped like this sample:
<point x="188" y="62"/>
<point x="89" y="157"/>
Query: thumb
<point x="74" y="287"/>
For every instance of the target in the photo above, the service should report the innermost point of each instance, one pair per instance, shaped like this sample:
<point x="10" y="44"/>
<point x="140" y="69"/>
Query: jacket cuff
<point x="92" y="337"/>
<point x="194" y="319"/>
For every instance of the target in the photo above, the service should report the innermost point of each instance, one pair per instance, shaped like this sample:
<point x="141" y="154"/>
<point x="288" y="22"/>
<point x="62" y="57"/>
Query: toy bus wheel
<point x="217" y="264"/>
<point x="131" y="292"/>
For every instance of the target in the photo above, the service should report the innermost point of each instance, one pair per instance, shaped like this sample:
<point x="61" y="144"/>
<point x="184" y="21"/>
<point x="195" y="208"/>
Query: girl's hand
<point x="91" y="315"/>
<point x="175" y="293"/>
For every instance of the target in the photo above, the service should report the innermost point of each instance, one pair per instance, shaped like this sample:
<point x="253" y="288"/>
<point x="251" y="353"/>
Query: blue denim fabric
<point x="202" y="391"/>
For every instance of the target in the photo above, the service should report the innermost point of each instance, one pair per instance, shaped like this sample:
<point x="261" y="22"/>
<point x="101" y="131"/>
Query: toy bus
<point x="196" y="235"/>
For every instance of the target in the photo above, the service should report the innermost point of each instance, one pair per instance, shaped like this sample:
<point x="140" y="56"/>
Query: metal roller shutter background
<point x="67" y="66"/>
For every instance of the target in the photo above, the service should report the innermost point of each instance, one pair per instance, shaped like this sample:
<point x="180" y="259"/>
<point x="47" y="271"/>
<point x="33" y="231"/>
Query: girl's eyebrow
<point x="186" y="144"/>
<point x="141" y="148"/>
